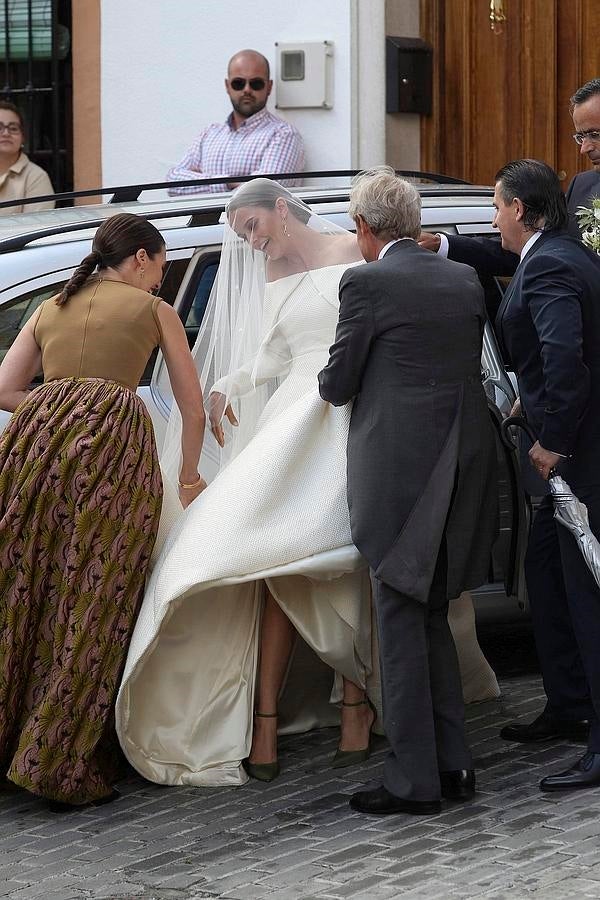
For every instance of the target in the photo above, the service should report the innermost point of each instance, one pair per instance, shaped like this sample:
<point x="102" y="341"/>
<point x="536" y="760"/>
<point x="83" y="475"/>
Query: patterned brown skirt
<point x="80" y="499"/>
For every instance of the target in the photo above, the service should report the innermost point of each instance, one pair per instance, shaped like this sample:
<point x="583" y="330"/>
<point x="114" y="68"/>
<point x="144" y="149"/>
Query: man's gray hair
<point x="389" y="205"/>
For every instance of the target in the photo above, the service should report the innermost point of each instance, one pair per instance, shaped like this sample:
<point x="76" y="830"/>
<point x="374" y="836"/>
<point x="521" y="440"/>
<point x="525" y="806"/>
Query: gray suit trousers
<point x="423" y="709"/>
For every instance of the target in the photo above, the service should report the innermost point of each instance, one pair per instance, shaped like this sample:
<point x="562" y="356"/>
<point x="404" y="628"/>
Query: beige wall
<point x="402" y="129"/>
<point x="87" y="160"/>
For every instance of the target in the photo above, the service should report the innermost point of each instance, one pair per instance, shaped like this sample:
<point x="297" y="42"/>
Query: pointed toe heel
<point x="262" y="771"/>
<point x="344" y="758"/>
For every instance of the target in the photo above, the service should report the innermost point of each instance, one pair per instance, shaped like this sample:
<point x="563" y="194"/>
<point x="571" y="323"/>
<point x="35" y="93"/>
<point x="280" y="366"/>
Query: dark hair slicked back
<point x="538" y="187"/>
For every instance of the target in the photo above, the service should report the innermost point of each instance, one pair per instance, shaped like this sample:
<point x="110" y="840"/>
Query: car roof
<point x="56" y="225"/>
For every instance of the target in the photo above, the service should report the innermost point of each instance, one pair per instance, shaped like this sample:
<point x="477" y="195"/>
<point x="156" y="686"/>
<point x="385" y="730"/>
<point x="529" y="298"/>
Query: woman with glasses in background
<point x="19" y="177"/>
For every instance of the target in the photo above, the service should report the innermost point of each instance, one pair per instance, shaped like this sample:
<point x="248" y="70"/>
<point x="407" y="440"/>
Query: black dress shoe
<point x="546" y="728"/>
<point x="381" y="803"/>
<point x="458" y="785"/>
<point x="585" y="773"/>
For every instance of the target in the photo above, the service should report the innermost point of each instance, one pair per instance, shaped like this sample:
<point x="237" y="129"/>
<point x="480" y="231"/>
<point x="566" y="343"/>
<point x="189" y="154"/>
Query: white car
<point x="39" y="251"/>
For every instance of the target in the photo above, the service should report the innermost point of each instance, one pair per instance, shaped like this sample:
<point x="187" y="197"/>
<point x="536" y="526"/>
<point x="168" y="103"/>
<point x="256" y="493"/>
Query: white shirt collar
<point x="529" y="244"/>
<point x="389" y="244"/>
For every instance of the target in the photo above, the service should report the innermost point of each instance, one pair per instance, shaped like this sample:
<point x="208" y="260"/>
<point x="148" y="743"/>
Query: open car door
<point x="506" y="567"/>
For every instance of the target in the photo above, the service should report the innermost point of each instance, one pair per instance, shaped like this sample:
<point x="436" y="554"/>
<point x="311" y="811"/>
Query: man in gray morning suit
<point x="422" y="485"/>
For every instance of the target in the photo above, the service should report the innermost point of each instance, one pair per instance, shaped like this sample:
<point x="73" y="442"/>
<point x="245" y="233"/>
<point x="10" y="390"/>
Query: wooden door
<point x="504" y="96"/>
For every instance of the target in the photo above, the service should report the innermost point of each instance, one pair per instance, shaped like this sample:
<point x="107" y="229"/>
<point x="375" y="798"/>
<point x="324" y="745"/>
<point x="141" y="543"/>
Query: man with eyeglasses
<point x="585" y="110"/>
<point x="252" y="141"/>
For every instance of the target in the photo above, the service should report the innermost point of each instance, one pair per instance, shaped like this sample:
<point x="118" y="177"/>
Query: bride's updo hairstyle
<point x="118" y="238"/>
<point x="265" y="193"/>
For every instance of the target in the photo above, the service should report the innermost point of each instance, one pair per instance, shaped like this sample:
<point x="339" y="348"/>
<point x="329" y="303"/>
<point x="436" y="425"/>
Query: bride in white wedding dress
<point x="265" y="552"/>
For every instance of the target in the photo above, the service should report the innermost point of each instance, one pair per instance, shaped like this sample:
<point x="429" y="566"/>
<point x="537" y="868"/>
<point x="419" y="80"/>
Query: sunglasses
<point x="256" y="84"/>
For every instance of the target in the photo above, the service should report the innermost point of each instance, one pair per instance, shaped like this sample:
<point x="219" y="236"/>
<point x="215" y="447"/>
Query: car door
<point x="515" y="509"/>
<point x="509" y="550"/>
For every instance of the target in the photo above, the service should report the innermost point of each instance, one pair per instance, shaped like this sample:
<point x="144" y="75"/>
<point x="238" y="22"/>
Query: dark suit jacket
<point x="549" y="325"/>
<point x="421" y="449"/>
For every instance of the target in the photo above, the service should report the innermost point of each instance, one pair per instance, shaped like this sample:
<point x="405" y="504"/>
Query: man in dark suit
<point x="585" y="111"/>
<point x="422" y="486"/>
<point x="549" y="326"/>
<point x="567" y="695"/>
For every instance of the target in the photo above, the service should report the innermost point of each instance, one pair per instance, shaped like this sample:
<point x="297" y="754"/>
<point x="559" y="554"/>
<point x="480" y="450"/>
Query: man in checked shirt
<point x="252" y="141"/>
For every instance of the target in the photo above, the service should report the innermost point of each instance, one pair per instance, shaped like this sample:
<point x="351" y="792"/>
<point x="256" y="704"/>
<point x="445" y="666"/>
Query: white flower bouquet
<point x="589" y="222"/>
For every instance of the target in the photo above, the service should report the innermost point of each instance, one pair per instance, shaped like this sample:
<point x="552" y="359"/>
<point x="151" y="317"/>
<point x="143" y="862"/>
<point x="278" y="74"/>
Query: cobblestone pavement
<point x="297" y="838"/>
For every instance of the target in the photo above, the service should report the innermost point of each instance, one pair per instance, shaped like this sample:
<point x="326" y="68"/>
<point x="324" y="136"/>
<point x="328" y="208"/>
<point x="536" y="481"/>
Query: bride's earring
<point x="285" y="228"/>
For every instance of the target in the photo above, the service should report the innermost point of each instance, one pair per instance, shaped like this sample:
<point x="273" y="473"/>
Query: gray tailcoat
<point x="421" y="448"/>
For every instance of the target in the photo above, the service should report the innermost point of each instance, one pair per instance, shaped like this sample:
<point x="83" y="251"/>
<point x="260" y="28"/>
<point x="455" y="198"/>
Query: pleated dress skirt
<point x="80" y="499"/>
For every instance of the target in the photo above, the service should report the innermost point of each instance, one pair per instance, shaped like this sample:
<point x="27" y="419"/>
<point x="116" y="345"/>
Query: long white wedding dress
<point x="277" y="513"/>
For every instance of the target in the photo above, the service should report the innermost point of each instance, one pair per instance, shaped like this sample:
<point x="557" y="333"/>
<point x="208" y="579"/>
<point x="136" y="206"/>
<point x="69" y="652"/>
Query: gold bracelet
<point x="193" y="485"/>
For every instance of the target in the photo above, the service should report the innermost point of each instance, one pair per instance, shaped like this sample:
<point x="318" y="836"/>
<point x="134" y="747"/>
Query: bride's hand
<point x="217" y="410"/>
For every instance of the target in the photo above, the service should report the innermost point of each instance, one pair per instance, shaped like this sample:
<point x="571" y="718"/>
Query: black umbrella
<point x="568" y="510"/>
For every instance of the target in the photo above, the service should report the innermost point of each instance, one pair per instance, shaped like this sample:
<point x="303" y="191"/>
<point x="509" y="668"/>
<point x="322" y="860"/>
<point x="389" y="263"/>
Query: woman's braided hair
<point x="118" y="238"/>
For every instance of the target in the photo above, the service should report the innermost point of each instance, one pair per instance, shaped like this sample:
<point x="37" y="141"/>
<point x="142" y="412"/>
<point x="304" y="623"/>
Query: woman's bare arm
<point x="188" y="396"/>
<point x="21" y="364"/>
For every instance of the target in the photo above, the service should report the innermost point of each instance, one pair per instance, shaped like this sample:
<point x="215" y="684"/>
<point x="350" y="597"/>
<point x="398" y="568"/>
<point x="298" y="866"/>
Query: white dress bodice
<point x="302" y="311"/>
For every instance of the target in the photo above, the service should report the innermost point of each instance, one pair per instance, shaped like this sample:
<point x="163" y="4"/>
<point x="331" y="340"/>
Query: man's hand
<point x="543" y="460"/>
<point x="429" y="241"/>
<point x="216" y="411"/>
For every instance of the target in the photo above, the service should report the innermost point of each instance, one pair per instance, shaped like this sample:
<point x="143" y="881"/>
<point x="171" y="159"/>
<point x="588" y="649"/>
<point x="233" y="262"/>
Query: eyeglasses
<point x="11" y="128"/>
<point x="256" y="84"/>
<point x="581" y="136"/>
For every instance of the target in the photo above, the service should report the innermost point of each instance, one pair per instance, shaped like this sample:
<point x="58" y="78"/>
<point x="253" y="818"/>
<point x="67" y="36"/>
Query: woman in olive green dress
<point x="80" y="500"/>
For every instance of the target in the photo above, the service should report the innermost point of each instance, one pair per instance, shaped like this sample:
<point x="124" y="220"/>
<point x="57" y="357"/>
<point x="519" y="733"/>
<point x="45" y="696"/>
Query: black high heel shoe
<point x="262" y="771"/>
<point x="345" y="758"/>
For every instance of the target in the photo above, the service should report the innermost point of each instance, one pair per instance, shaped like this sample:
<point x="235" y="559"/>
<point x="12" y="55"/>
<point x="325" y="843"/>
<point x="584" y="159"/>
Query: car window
<point x="194" y="303"/>
<point x="15" y="313"/>
<point x="175" y="269"/>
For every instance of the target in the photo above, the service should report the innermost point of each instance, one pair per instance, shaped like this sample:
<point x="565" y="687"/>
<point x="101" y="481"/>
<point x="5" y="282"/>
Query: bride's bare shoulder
<point x="343" y="248"/>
